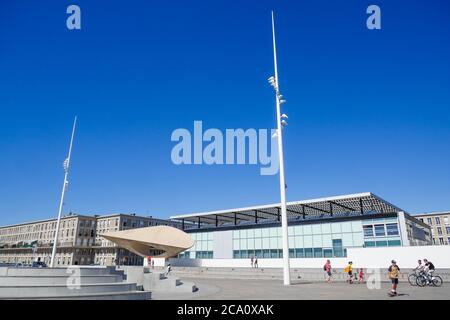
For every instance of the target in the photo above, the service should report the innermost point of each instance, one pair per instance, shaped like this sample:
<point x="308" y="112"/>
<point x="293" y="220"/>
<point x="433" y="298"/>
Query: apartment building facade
<point x="79" y="240"/>
<point x="439" y="223"/>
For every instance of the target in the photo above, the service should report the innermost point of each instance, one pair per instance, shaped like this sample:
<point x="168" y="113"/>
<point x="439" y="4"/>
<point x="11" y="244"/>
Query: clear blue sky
<point x="368" y="110"/>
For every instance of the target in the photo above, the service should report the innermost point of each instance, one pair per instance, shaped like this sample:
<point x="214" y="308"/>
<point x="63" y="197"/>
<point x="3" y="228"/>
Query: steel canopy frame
<point x="357" y="204"/>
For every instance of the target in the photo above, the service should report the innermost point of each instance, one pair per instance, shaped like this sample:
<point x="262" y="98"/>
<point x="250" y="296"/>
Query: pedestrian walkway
<point x="232" y="289"/>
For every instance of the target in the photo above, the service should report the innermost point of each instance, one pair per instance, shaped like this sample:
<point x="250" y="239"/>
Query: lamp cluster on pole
<point x="281" y="123"/>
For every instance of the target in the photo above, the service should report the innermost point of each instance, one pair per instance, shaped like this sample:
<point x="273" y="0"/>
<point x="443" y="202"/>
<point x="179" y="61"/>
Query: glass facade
<point x="305" y="241"/>
<point x="382" y="232"/>
<point x="203" y="246"/>
<point x="317" y="240"/>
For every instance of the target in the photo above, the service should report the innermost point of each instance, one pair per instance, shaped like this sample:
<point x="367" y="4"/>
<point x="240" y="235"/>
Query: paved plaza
<point x="229" y="289"/>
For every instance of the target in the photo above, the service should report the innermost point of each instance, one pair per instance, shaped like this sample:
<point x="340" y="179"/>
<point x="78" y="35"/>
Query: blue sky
<point x="368" y="110"/>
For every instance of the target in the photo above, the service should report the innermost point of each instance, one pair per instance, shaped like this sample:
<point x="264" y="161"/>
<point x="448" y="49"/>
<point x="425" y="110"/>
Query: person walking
<point x="255" y="263"/>
<point x="349" y="271"/>
<point x="251" y="261"/>
<point x="361" y="276"/>
<point x="327" y="269"/>
<point x="394" y="272"/>
<point x="169" y="268"/>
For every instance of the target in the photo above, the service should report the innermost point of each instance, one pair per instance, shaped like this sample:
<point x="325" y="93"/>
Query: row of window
<point x="198" y="255"/>
<point x="383" y="243"/>
<point x="380" y="230"/>
<point x="439" y="230"/>
<point x="442" y="241"/>
<point x="437" y="220"/>
<point x="293" y="253"/>
<point x="301" y="230"/>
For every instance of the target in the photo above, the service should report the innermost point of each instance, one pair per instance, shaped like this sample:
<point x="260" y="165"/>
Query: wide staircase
<point x="235" y="273"/>
<point x="74" y="283"/>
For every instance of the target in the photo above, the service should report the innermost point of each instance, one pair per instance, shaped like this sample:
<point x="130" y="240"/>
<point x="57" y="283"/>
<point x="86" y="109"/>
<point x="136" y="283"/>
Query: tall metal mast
<point x="65" y="185"/>
<point x="280" y="124"/>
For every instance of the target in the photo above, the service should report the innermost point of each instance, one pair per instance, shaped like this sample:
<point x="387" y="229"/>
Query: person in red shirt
<point x="361" y="276"/>
<point x="327" y="269"/>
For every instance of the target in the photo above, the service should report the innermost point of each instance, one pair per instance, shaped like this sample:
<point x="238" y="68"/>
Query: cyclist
<point x="429" y="269"/>
<point x="420" y="266"/>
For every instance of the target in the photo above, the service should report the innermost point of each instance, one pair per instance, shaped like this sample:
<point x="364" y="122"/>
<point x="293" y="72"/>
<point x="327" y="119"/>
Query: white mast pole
<point x="284" y="222"/>
<point x="61" y="203"/>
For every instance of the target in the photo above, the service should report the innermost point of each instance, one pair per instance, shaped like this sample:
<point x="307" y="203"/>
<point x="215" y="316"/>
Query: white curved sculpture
<point x="148" y="241"/>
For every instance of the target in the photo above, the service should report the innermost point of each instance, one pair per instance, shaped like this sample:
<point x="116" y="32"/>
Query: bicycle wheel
<point x="421" y="281"/>
<point x="437" y="281"/>
<point x="412" y="279"/>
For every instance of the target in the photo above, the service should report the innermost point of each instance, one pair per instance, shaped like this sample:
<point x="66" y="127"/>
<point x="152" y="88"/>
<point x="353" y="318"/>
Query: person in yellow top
<point x="349" y="271"/>
<point x="394" y="272"/>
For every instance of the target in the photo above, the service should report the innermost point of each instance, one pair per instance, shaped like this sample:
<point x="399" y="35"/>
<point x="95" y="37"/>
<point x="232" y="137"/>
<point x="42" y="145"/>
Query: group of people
<point x="348" y="270"/>
<point x="254" y="262"/>
<point x="426" y="267"/>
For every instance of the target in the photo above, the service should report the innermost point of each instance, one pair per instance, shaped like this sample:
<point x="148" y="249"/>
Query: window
<point x="274" y="253"/>
<point x="308" y="253"/>
<point x="393" y="243"/>
<point x="382" y="243"/>
<point x="447" y="229"/>
<point x="291" y="253"/>
<point x="327" y="253"/>
<point x="439" y="229"/>
<point x="379" y="230"/>
<point x="369" y="244"/>
<point x="438" y="220"/>
<point x="299" y="253"/>
<point x="446" y="220"/>
<point x="368" y="231"/>
<point x="430" y="221"/>
<point x="318" y="253"/>
<point x="392" y="229"/>
<point x="337" y="248"/>
<point x="441" y="240"/>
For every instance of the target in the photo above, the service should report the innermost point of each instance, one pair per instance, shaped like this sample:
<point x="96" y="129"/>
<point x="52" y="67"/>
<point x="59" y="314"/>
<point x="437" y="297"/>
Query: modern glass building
<point x="318" y="228"/>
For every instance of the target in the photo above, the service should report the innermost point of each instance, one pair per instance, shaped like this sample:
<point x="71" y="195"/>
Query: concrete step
<point x="42" y="291"/>
<point x="59" y="280"/>
<point x="130" y="295"/>
<point x="38" y="272"/>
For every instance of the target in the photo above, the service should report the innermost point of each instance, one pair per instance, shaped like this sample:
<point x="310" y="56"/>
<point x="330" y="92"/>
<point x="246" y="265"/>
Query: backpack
<point x="347" y="269"/>
<point x="325" y="267"/>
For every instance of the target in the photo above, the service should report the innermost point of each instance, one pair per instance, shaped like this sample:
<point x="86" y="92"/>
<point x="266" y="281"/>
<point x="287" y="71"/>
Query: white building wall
<point x="406" y="257"/>
<point x="223" y="244"/>
<point x="402" y="229"/>
<point x="380" y="257"/>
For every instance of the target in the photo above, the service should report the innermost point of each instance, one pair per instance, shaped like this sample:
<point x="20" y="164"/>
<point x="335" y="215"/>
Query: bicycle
<point x="412" y="278"/>
<point x="424" y="279"/>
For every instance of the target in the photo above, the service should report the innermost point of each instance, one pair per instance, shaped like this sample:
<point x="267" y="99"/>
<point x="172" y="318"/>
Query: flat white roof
<point x="359" y="203"/>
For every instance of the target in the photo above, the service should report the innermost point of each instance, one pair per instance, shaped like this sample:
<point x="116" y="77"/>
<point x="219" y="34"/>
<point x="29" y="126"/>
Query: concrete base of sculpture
<point x="156" y="280"/>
